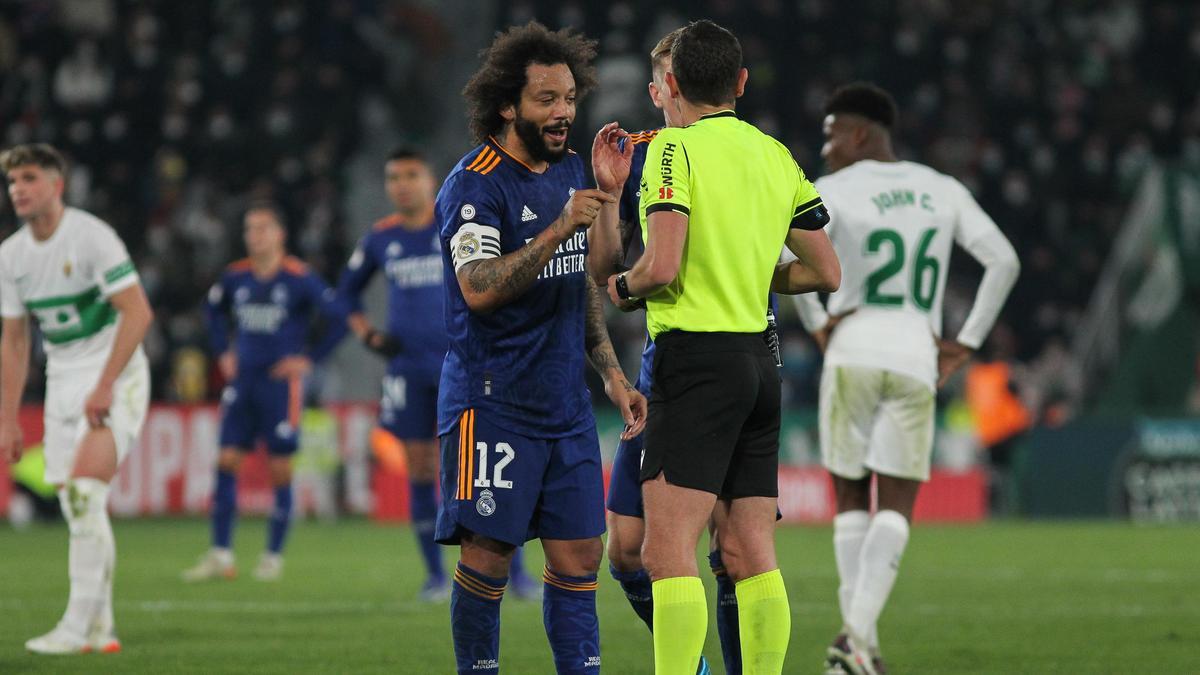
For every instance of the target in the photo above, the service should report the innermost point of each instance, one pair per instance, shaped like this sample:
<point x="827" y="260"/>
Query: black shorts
<point x="714" y="413"/>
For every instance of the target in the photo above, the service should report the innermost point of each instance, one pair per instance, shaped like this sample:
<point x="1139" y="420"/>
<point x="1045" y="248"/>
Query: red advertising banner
<point x="170" y="471"/>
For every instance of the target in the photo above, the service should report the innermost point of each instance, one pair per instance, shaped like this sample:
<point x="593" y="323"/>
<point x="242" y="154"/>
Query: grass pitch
<point x="997" y="598"/>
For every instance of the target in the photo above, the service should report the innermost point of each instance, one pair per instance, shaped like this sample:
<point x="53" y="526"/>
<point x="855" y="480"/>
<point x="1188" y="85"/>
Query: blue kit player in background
<point x="520" y="455"/>
<point x="273" y="300"/>
<point x="407" y="248"/>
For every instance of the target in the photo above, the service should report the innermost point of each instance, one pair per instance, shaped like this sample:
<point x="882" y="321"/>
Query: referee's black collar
<point x="719" y="113"/>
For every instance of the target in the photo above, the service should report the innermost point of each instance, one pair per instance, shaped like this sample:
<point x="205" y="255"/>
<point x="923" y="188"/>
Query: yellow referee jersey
<point x="741" y="191"/>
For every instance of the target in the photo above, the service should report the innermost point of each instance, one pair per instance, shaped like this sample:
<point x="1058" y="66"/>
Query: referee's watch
<point x="623" y="287"/>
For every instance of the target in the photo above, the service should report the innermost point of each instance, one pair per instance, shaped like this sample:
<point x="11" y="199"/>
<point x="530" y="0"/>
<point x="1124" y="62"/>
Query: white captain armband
<point x="474" y="242"/>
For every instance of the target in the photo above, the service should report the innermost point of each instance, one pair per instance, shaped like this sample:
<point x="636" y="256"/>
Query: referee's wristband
<point x="623" y="288"/>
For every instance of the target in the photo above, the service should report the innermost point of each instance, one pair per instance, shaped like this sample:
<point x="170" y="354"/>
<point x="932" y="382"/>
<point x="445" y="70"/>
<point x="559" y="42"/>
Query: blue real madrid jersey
<point x="272" y="317"/>
<point x="522" y="364"/>
<point x="412" y="262"/>
<point x="631" y="241"/>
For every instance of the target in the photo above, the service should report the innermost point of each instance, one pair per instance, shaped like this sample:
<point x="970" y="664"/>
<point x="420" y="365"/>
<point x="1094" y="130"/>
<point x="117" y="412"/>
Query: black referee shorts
<point x="713" y="423"/>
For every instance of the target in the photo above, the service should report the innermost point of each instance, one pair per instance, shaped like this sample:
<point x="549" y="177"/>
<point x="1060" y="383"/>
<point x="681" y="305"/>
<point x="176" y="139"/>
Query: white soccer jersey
<point x="893" y="225"/>
<point x="65" y="282"/>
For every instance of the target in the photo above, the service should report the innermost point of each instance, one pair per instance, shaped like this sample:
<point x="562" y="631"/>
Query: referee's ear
<point x="743" y="76"/>
<point x="672" y="84"/>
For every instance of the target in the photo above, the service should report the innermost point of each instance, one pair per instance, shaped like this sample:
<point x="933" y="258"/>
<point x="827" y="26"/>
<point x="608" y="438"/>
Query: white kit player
<point x="893" y="226"/>
<point x="69" y="269"/>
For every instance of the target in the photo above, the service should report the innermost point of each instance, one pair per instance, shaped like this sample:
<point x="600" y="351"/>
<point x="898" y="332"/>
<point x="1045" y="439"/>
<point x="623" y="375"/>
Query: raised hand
<point x="610" y="164"/>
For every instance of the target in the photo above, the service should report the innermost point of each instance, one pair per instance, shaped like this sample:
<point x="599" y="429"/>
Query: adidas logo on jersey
<point x="527" y="215"/>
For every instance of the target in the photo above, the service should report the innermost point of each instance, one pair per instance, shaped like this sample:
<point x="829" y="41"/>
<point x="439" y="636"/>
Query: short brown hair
<point x="270" y="207"/>
<point x="501" y="77"/>
<point x="662" y="50"/>
<point x="38" y="154"/>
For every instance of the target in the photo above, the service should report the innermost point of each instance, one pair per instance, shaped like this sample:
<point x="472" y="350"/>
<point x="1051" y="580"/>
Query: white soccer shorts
<point x="66" y="425"/>
<point x="875" y="420"/>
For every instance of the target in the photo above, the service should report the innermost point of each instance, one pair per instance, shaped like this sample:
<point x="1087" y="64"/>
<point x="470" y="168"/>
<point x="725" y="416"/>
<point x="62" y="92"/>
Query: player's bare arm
<point x="952" y="355"/>
<point x="816" y="267"/>
<point x="14" y="369"/>
<point x="603" y="358"/>
<point x="490" y="284"/>
<point x="611" y="167"/>
<point x="821" y="335"/>
<point x="658" y="267"/>
<point x="374" y="339"/>
<point x="134" y="309"/>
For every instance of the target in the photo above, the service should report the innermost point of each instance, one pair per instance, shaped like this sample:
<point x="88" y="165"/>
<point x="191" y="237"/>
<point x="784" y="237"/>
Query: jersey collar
<point x="719" y="113"/>
<point x="505" y="154"/>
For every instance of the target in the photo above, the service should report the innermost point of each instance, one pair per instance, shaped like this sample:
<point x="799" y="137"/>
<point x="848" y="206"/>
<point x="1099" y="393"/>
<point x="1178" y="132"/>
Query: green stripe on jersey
<point x="119" y="271"/>
<point x="72" y="317"/>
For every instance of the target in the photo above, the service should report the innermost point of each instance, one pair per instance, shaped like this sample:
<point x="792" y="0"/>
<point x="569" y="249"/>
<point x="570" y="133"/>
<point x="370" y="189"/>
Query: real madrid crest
<point x="485" y="505"/>
<point x="468" y="244"/>
<point x="67" y="269"/>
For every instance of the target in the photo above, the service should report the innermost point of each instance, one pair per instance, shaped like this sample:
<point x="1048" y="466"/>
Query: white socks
<point x="91" y="556"/>
<point x="849" y="530"/>
<point x="879" y="562"/>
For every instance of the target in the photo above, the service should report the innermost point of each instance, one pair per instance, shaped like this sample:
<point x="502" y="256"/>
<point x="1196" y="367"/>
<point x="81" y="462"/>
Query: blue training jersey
<point x="272" y="318"/>
<point x="523" y="363"/>
<point x="411" y="261"/>
<point x="632" y="244"/>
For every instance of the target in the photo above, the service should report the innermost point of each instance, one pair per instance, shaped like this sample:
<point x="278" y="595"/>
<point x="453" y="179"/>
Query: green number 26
<point x="924" y="275"/>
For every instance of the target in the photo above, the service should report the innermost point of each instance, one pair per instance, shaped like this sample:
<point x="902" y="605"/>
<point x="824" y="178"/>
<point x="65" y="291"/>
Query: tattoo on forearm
<point x="509" y="275"/>
<point x="599" y="347"/>
<point x="625" y="233"/>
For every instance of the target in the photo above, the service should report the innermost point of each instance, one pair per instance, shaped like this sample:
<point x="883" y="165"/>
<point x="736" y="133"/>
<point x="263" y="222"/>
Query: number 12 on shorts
<point x="497" y="480"/>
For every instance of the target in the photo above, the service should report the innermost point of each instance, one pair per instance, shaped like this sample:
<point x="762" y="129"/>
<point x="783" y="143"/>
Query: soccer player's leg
<point x="848" y="401"/>
<point x="570" y="521"/>
<point x="280" y="405"/>
<point x="727" y="605"/>
<point x="409" y="412"/>
<point x="83" y="462"/>
<point x="900" y="450"/>
<point x="626" y="529"/>
<point x="491" y="482"/>
<point x="236" y="438"/>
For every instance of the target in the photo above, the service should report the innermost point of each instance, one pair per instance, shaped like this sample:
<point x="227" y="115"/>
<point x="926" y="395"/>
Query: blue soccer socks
<point x="224" y="509"/>
<point x="569" y="614"/>
<point x="475" y="620"/>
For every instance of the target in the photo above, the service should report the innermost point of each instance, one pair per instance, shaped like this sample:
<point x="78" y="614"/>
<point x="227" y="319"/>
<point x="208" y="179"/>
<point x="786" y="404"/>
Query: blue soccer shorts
<point x="256" y="406"/>
<point x="512" y="488"/>
<point x="408" y="407"/>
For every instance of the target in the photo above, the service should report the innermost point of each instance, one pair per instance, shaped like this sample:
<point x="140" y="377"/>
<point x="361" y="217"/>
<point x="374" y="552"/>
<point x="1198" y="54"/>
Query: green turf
<point x="1005" y="598"/>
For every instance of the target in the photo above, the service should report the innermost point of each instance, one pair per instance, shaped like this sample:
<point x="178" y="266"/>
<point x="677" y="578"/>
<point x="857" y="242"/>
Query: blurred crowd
<point x="176" y="114"/>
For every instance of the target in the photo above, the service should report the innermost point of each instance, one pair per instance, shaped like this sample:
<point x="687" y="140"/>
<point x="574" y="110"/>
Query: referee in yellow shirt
<point x="719" y="201"/>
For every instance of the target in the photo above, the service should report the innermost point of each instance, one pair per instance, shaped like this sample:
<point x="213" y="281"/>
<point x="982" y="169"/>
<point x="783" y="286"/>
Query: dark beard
<point x="531" y="136"/>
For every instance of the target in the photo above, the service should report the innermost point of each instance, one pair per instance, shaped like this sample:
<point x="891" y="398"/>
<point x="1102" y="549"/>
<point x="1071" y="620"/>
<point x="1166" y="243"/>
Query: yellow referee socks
<point x="680" y="625"/>
<point x="765" y="621"/>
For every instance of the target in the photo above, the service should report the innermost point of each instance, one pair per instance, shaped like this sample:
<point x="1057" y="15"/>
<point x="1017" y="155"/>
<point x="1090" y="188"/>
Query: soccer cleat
<point x="270" y="567"/>
<point x="58" y="641"/>
<point x="880" y="666"/>
<point x="102" y="643"/>
<point x="435" y="590"/>
<point x="524" y="588"/>
<point x="703" y="669"/>
<point x="214" y="564"/>
<point x="847" y="654"/>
